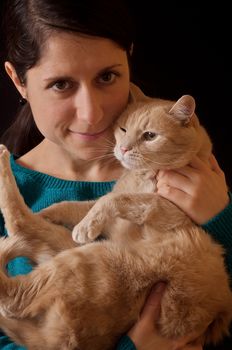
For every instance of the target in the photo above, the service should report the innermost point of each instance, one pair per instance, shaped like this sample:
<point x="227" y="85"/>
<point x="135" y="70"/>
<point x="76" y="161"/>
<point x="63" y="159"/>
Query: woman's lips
<point x="88" y="136"/>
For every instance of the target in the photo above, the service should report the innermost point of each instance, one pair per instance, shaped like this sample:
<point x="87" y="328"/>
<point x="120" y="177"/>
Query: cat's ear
<point x="184" y="109"/>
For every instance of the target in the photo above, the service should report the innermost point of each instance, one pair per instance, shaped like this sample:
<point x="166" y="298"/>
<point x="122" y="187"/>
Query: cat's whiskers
<point x="104" y="152"/>
<point x="107" y="148"/>
<point x="148" y="166"/>
<point x="159" y="164"/>
<point x="193" y="150"/>
<point x="109" y="141"/>
<point x="191" y="154"/>
<point x="108" y="157"/>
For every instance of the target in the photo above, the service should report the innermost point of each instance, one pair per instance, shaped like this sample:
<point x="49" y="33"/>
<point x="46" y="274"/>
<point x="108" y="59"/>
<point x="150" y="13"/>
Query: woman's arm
<point x="200" y="190"/>
<point x="144" y="334"/>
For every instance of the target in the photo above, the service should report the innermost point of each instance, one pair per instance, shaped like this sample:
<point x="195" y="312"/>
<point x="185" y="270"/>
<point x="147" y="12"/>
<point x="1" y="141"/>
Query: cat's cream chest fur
<point x="137" y="181"/>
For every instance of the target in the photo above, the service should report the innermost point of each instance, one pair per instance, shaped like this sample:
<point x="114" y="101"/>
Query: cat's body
<point x="88" y="296"/>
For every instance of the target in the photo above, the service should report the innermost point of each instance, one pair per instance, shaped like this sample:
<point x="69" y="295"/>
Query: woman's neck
<point x="53" y="160"/>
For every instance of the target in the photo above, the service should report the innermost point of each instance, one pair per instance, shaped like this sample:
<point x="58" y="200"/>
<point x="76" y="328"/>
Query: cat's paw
<point x="4" y="163"/>
<point x="84" y="233"/>
<point x="3" y="149"/>
<point x="4" y="155"/>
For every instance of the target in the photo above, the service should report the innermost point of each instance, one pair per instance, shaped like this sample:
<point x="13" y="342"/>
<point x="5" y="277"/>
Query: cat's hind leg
<point x="12" y="205"/>
<point x="20" y="221"/>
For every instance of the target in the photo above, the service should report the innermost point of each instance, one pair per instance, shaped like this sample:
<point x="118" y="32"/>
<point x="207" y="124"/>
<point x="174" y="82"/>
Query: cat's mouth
<point x="129" y="160"/>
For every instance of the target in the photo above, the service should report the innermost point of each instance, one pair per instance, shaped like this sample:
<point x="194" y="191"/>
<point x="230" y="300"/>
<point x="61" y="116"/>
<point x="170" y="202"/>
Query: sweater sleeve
<point x="125" y="343"/>
<point x="7" y="344"/>
<point x="220" y="228"/>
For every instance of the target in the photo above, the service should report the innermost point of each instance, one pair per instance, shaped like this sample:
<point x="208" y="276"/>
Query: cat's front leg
<point x="133" y="207"/>
<point x="91" y="226"/>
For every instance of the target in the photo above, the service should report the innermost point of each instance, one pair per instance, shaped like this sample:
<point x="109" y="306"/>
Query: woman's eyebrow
<point x="58" y="77"/>
<point x="67" y="77"/>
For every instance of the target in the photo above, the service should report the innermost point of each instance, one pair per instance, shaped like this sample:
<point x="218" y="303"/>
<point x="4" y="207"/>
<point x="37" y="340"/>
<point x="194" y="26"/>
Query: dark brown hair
<point x="28" y="23"/>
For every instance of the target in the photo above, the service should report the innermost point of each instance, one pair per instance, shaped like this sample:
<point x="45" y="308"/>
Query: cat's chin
<point x="126" y="165"/>
<point x="130" y="166"/>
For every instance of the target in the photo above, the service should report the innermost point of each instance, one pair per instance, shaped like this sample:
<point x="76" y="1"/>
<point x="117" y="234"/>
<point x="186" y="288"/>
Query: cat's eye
<point x="124" y="130"/>
<point x="149" y="136"/>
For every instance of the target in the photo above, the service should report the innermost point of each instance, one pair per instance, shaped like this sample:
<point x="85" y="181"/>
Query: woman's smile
<point x="88" y="135"/>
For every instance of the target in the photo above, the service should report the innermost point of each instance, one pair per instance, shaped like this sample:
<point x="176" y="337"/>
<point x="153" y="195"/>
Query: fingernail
<point x="159" y="288"/>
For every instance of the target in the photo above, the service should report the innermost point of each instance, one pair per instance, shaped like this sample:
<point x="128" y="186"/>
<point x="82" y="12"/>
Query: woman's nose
<point x="89" y="107"/>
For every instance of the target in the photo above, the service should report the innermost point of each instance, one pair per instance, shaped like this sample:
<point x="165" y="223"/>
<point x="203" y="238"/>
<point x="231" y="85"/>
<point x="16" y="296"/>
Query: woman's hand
<point x="199" y="189"/>
<point x="145" y="336"/>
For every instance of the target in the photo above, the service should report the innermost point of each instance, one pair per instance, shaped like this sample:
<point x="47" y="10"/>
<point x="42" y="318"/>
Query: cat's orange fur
<point x="87" y="296"/>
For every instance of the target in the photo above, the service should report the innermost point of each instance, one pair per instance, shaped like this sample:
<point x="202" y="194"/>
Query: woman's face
<point x="76" y="91"/>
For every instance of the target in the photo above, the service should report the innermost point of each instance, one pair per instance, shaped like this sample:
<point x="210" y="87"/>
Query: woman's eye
<point x="149" y="136"/>
<point x="62" y="85"/>
<point x="107" y="77"/>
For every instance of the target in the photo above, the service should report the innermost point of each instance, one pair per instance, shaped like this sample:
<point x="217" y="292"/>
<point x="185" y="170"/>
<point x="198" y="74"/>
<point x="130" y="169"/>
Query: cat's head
<point x="159" y="134"/>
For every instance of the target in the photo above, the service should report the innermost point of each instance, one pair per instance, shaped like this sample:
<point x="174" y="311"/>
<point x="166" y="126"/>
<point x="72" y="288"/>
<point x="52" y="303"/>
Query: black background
<point x="180" y="48"/>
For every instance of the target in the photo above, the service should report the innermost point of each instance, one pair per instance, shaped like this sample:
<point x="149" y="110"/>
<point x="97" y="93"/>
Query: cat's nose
<point x="123" y="149"/>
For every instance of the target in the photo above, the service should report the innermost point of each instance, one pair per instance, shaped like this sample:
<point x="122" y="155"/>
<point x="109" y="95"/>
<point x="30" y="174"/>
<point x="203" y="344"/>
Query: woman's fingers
<point x="199" y="189"/>
<point x="151" y="309"/>
<point x="214" y="165"/>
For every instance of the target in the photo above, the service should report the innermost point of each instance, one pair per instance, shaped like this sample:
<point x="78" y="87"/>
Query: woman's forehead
<point x="65" y="47"/>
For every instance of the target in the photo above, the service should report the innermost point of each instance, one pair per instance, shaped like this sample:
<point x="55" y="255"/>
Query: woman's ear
<point x="14" y="77"/>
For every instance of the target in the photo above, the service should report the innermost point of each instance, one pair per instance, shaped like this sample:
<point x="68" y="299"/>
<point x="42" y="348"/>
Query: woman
<point x="69" y="60"/>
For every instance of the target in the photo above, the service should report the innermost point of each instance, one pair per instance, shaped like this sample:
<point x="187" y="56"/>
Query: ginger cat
<point x="86" y="296"/>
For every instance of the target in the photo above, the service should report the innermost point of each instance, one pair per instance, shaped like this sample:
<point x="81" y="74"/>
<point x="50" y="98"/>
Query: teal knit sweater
<point x="40" y="190"/>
